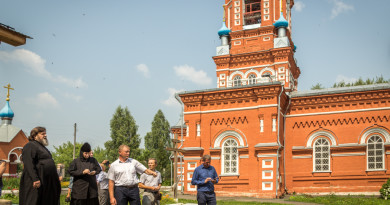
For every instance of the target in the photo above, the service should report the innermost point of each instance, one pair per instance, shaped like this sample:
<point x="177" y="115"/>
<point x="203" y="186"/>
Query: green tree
<point x="64" y="153"/>
<point x="123" y="131"/>
<point x="156" y="142"/>
<point x="318" y="86"/>
<point x="100" y="154"/>
<point x="360" y="81"/>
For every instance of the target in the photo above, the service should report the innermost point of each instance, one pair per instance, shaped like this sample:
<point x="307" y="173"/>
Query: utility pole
<point x="74" y="141"/>
<point x="176" y="151"/>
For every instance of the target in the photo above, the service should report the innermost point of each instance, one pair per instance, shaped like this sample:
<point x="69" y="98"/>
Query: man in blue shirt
<point x="205" y="177"/>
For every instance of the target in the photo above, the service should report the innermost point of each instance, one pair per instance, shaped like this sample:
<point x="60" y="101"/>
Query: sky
<point x="88" y="57"/>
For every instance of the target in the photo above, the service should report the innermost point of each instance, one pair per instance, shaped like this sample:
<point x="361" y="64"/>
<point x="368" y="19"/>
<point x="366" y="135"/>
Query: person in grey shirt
<point x="151" y="185"/>
<point x="102" y="181"/>
<point x="123" y="176"/>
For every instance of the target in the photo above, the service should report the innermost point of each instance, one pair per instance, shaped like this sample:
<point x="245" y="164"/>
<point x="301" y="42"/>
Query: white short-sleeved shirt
<point x="125" y="173"/>
<point x="150" y="180"/>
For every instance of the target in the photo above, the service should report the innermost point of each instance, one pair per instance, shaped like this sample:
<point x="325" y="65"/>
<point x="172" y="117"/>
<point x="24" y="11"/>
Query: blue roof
<point x="6" y="112"/>
<point x="281" y="22"/>
<point x="223" y="30"/>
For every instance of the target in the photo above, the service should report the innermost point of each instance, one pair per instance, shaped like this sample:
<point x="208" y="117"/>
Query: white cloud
<point x="341" y="78"/>
<point x="45" y="100"/>
<point x="144" y="69"/>
<point x="299" y="6"/>
<point x="36" y="65"/>
<point x="74" y="97"/>
<point x="340" y="7"/>
<point x="189" y="73"/>
<point x="171" y="101"/>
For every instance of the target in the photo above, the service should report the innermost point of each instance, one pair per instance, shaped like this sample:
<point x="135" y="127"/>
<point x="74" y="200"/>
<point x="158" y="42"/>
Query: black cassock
<point x="84" y="190"/>
<point x="38" y="165"/>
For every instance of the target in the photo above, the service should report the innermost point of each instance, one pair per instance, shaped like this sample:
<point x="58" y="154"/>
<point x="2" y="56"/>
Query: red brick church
<point x="265" y="137"/>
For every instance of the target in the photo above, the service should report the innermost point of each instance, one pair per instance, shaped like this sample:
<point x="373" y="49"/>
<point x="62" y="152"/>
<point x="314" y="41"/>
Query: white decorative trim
<point x="387" y="152"/>
<point x="321" y="133"/>
<point x="244" y="156"/>
<point x="267" y="155"/>
<point x="302" y="157"/>
<point x="232" y="109"/>
<point x="337" y="112"/>
<point x="236" y="73"/>
<point x="372" y="131"/>
<point x="265" y="188"/>
<point x="348" y="154"/>
<point x="189" y="165"/>
<point x="375" y="170"/>
<point x="263" y="165"/>
<point x="189" y="175"/>
<point x="258" y="66"/>
<point x="189" y="187"/>
<point x="221" y="136"/>
<point x="267" y="177"/>
<point x="228" y="175"/>
<point x="215" y="157"/>
<point x="192" y="158"/>
<point x="11" y="152"/>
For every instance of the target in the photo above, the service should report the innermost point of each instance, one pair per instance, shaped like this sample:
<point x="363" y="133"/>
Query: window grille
<point x="321" y="155"/>
<point x="237" y="81"/>
<point x="375" y="152"/>
<point x="230" y="157"/>
<point x="252" y="79"/>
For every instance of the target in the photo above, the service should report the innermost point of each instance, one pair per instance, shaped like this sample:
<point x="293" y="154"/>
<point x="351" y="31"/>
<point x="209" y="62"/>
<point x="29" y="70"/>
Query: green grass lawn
<point x="340" y="200"/>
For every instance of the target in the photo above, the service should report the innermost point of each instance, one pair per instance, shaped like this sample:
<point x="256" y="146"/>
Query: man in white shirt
<point x="151" y="185"/>
<point x="123" y="176"/>
<point x="102" y="181"/>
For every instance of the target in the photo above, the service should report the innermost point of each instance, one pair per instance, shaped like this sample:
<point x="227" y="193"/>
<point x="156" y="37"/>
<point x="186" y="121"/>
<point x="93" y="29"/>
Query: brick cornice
<point x="340" y="101"/>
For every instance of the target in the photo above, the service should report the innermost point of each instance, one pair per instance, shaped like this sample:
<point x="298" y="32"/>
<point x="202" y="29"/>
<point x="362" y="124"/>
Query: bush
<point x="10" y="183"/>
<point x="385" y="190"/>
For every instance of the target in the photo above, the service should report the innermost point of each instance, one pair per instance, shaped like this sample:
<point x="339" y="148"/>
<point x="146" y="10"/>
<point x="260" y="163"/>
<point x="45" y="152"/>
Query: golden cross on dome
<point x="9" y="88"/>
<point x="224" y="10"/>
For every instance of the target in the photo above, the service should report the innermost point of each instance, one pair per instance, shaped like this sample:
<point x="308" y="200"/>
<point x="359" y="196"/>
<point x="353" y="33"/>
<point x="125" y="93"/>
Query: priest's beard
<point x="43" y="141"/>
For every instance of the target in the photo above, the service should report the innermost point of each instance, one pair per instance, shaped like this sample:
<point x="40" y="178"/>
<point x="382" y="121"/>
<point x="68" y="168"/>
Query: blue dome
<point x="6" y="112"/>
<point x="223" y="30"/>
<point x="281" y="22"/>
<point x="295" y="48"/>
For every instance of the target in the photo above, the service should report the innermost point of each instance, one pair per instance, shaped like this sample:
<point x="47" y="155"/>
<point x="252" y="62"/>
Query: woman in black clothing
<point x="83" y="170"/>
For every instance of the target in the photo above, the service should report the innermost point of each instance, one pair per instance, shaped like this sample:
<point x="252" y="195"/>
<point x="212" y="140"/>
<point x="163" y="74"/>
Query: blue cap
<point x="223" y="30"/>
<point x="281" y="22"/>
<point x="6" y="112"/>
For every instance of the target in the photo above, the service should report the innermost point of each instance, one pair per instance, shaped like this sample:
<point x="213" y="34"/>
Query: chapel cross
<point x="9" y="88"/>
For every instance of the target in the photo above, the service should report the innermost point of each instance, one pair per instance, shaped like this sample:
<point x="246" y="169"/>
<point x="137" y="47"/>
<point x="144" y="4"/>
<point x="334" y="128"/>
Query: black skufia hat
<point x="86" y="147"/>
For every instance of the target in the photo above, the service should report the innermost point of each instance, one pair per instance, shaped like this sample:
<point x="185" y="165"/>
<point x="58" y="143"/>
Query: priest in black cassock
<point x="39" y="184"/>
<point x="84" y="170"/>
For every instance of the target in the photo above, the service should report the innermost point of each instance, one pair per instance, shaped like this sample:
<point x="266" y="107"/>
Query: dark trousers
<point x="124" y="195"/>
<point x="206" y="198"/>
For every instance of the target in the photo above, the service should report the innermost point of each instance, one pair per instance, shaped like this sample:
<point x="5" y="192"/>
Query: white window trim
<point x="189" y="165"/>
<point x="383" y="155"/>
<point x="223" y="160"/>
<point x="314" y="157"/>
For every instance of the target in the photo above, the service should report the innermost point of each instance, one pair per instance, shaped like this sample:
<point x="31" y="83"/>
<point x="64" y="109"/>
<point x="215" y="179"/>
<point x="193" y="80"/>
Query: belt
<point x="131" y="186"/>
<point x="208" y="192"/>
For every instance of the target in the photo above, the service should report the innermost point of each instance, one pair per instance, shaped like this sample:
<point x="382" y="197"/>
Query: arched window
<point x="252" y="79"/>
<point x="230" y="157"/>
<point x="375" y="152"/>
<point x="237" y="81"/>
<point x="321" y="155"/>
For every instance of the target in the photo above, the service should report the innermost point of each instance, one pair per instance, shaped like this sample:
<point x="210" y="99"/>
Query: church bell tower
<point x="256" y="45"/>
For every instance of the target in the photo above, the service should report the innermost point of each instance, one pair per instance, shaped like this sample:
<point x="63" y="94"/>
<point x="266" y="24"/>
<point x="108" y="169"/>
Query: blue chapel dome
<point x="223" y="30"/>
<point x="281" y="22"/>
<point x="6" y="112"/>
